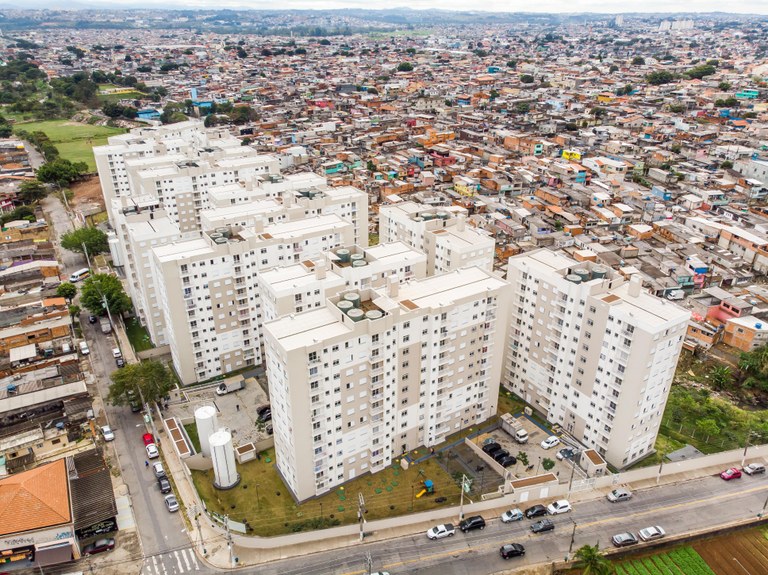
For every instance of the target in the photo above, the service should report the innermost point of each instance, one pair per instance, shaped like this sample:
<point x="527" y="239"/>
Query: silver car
<point x="619" y="495"/>
<point x="651" y="533"/>
<point x="171" y="503"/>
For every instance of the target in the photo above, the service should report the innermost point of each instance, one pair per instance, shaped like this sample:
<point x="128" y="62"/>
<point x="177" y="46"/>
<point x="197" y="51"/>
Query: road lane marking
<point x="489" y="546"/>
<point x="184" y="556"/>
<point x="194" y="560"/>
<point x="178" y="561"/>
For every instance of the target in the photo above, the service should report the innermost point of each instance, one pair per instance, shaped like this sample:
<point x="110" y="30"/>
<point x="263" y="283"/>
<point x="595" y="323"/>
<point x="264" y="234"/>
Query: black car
<point x="508" y="461"/>
<point x="511" y="550"/>
<point x="542" y="525"/>
<point x="535" y="511"/>
<point x="165" y="485"/>
<point x="500" y="454"/>
<point x="92" y="319"/>
<point x="120" y="362"/>
<point x="470" y="523"/>
<point x="491" y="448"/>
<point x="264" y="413"/>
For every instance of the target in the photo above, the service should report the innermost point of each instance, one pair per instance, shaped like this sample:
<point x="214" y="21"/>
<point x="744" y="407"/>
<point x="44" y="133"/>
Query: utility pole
<point x="85" y="251"/>
<point x="573" y="538"/>
<point x="232" y="558"/>
<point x="361" y="513"/>
<point x="570" y="482"/>
<point x="465" y="484"/>
<point x="199" y="530"/>
<point x="661" y="465"/>
<point x="746" y="446"/>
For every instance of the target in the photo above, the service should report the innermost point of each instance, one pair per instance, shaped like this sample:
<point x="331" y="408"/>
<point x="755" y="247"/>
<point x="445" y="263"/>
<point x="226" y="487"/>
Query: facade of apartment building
<point x="351" y="388"/>
<point x="441" y="233"/>
<point x="591" y="352"/>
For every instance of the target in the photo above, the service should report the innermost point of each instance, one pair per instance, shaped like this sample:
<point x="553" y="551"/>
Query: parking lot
<point x="235" y="410"/>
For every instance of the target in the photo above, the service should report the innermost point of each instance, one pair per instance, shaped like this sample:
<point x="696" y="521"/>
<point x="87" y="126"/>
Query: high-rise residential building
<point x="591" y="351"/>
<point x="377" y="372"/>
<point x="441" y="233"/>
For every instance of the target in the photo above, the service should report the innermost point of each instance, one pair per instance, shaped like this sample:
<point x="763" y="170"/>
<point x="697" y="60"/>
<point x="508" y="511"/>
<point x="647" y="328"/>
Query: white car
<point x="550" y="442"/>
<point x="152" y="451"/>
<point x="619" y="495"/>
<point x="558" y="507"/>
<point x="116" y="352"/>
<point x="107" y="433"/>
<point x="440" y="531"/>
<point x="84" y="348"/>
<point x="512" y="515"/>
<point x="651" y="533"/>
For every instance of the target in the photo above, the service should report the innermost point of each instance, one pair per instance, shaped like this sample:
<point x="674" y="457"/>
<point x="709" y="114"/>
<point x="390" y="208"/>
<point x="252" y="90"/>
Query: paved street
<point x="678" y="508"/>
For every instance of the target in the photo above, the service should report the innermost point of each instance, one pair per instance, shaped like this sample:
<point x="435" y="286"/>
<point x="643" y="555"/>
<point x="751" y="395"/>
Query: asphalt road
<point x="679" y="508"/>
<point x="163" y="536"/>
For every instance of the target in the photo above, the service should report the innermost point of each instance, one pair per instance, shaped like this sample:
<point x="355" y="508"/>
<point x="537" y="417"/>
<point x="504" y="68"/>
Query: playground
<point x="265" y="503"/>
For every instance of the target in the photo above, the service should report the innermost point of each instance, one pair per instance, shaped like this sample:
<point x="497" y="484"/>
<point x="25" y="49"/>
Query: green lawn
<point x="509" y="402"/>
<point x="117" y="97"/>
<point x="191" y="429"/>
<point x="137" y="335"/>
<point x="387" y="493"/>
<point x="74" y="140"/>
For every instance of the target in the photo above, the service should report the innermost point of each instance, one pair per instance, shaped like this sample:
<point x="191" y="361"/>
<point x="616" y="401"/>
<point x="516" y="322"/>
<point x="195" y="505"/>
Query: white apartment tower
<point x="377" y="372"/>
<point x="592" y="352"/>
<point x="441" y="233"/>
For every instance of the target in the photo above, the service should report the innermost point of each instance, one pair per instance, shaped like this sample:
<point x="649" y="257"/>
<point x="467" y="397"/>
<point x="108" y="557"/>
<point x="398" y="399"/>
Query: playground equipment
<point x="429" y="487"/>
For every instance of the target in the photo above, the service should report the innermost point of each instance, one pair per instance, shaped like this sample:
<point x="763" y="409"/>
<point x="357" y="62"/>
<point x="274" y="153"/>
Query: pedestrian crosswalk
<point x="171" y="563"/>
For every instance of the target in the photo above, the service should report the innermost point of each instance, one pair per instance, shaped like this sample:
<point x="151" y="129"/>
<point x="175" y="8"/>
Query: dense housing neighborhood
<point x="284" y="287"/>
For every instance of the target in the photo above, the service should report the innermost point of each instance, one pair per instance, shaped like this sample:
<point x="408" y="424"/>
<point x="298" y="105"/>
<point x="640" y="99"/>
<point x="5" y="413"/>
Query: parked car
<point x="107" y="433"/>
<point x="158" y="470"/>
<point x="440" y="531"/>
<point x="84" y="348"/>
<point x="535" y="511"/>
<point x="619" y="495"/>
<point x="558" y="507"/>
<point x="512" y="515"/>
<point x="471" y="523"/>
<point x="99" y="546"/>
<point x="566" y="453"/>
<point x="511" y="550"/>
<point x="120" y="362"/>
<point x="165" y="485"/>
<point x="92" y="319"/>
<point x="264" y="413"/>
<point x="550" y="442"/>
<point x="542" y="525"/>
<point x="624" y="539"/>
<point x="148" y="438"/>
<point x="500" y="454"/>
<point x="508" y="461"/>
<point x="651" y="533"/>
<point x="491" y="448"/>
<point x="754" y="468"/>
<point x="521" y="436"/>
<point x="152" y="451"/>
<point x="116" y="352"/>
<point x="731" y="473"/>
<point x="171" y="503"/>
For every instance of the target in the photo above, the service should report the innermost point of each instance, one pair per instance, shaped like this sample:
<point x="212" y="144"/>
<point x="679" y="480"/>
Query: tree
<point x="94" y="239"/>
<point x="74" y="311"/>
<point x="708" y="427"/>
<point x="592" y="562"/>
<point x="727" y="165"/>
<point x="724" y="86"/>
<point x="526" y="79"/>
<point x="613" y="68"/>
<point x="61" y="172"/>
<point x="522" y="107"/>
<point x="701" y="71"/>
<point x="660" y="77"/>
<point x="241" y="53"/>
<point x="547" y="463"/>
<point x="512" y="64"/>
<point x="67" y="290"/>
<point x="150" y="380"/>
<point x="32" y="191"/>
<point x="522" y="457"/>
<point x="370" y="166"/>
<point x="405" y="67"/>
<point x="638" y="61"/>
<point x="100" y="286"/>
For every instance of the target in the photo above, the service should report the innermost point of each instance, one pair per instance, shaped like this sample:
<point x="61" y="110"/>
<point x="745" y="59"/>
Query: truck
<point x="230" y="385"/>
<point x="106" y="326"/>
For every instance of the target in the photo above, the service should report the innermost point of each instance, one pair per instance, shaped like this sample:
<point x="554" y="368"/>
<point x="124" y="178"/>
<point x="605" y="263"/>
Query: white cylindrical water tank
<point x="207" y="424"/>
<point x="223" y="456"/>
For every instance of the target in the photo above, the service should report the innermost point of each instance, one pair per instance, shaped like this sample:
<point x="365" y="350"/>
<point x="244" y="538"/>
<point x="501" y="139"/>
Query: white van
<point x="521" y="436"/>
<point x="84" y="348"/>
<point x="80" y="275"/>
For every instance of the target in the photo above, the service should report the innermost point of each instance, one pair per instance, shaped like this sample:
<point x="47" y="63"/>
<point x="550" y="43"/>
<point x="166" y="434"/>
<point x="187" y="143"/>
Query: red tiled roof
<point x="35" y="499"/>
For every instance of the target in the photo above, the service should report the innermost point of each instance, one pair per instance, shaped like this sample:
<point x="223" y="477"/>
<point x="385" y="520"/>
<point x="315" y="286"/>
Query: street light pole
<point x="85" y="251"/>
<point x="573" y="538"/>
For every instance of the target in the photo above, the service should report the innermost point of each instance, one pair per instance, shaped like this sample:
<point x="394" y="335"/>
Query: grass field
<point x="74" y="140"/>
<point x="137" y="335"/>
<point x="265" y="502"/>
<point x="680" y="561"/>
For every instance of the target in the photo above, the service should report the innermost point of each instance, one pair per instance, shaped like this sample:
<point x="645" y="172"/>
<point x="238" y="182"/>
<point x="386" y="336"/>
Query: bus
<point x="80" y="275"/>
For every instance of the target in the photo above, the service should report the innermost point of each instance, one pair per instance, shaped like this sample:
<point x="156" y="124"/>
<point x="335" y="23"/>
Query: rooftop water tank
<point x="343" y="254"/>
<point x="220" y="241"/>
<point x="359" y="263"/>
<point x="223" y="456"/>
<point x="206" y="423"/>
<point x="356" y="314"/>
<point x="599" y="271"/>
<point x="216" y="235"/>
<point x="345" y="305"/>
<point x="354" y="298"/>
<point x="583" y="273"/>
<point x="443" y="215"/>
<point x="357" y="257"/>
<point x="573" y="278"/>
<point x="374" y="314"/>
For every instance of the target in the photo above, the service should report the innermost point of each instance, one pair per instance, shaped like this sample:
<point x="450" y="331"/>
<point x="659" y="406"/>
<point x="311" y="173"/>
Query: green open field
<point x="73" y="139"/>
<point x="265" y="502"/>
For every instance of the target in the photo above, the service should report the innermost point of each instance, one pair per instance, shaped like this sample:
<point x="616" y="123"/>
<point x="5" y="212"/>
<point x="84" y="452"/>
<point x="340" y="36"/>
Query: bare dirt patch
<point x="88" y="193"/>
<point x="726" y="555"/>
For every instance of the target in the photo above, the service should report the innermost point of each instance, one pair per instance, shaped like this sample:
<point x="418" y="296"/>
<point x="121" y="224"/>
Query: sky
<point x="559" y="6"/>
